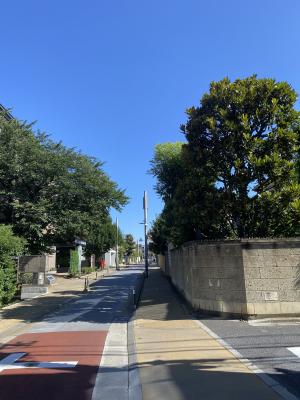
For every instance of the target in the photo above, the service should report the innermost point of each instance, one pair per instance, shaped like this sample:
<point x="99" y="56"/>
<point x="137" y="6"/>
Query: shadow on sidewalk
<point x="200" y="379"/>
<point x="159" y="300"/>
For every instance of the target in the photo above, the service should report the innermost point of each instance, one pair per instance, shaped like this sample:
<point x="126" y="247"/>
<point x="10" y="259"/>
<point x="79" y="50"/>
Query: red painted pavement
<point x="53" y="384"/>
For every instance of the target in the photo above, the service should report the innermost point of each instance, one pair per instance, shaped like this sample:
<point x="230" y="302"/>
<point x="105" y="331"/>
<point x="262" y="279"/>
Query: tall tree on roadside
<point x="50" y="193"/>
<point x="189" y="195"/>
<point x="159" y="236"/>
<point x="244" y="134"/>
<point x="103" y="237"/>
<point x="129" y="245"/>
<point x="168" y="168"/>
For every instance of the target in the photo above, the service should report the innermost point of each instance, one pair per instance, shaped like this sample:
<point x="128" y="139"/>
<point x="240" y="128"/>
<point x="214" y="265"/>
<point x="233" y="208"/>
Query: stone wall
<point x="272" y="276"/>
<point x="40" y="263"/>
<point x="161" y="262"/>
<point x="244" y="278"/>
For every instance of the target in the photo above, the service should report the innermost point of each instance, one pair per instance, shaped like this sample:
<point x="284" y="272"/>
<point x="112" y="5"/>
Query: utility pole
<point x="145" y="206"/>
<point x="117" y="246"/>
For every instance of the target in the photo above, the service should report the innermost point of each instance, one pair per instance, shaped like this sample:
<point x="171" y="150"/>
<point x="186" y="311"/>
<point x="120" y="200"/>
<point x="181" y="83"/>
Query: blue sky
<point x="114" y="77"/>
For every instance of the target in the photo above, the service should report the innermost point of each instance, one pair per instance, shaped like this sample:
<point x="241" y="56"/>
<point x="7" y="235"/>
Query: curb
<point x="134" y="381"/>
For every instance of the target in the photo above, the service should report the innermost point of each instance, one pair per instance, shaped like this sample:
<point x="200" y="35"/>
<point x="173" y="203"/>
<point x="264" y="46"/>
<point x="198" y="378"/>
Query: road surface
<point x="59" y="358"/>
<point x="272" y="347"/>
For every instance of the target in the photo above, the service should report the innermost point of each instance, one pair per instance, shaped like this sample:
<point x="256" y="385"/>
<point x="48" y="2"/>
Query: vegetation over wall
<point x="237" y="175"/>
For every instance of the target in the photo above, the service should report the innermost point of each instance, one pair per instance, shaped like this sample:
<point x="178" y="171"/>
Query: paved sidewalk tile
<point x="178" y="360"/>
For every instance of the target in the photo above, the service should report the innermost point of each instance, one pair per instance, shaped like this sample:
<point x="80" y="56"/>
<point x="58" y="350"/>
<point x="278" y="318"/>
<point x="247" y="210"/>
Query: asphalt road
<point x="265" y="346"/>
<point x="59" y="358"/>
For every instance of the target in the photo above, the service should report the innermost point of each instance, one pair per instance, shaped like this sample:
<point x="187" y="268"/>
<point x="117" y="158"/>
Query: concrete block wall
<point x="272" y="276"/>
<point x="161" y="262"/>
<point x="242" y="278"/>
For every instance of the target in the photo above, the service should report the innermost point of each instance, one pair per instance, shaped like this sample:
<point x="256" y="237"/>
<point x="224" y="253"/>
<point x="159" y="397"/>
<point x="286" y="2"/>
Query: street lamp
<point x="145" y="207"/>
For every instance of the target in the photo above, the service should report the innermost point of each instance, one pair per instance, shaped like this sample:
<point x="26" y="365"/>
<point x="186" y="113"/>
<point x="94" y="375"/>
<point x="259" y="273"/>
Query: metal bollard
<point x="86" y="285"/>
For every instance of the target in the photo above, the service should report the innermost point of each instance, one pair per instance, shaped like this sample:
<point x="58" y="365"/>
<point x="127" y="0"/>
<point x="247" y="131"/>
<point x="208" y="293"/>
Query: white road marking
<point x="295" y="350"/>
<point x="9" y="362"/>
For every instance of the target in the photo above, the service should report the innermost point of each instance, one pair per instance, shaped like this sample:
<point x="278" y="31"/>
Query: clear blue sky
<point x="113" y="77"/>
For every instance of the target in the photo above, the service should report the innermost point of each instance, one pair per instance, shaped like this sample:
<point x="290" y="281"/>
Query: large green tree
<point x="189" y="194"/>
<point x="129" y="245"/>
<point x="48" y="192"/>
<point x="244" y="134"/>
<point x="168" y="168"/>
<point x="103" y="237"/>
<point x="237" y="174"/>
<point x="159" y="236"/>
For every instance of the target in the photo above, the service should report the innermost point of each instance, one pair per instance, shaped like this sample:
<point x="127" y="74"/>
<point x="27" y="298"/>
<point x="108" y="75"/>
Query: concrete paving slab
<point x="178" y="360"/>
<point x="112" y="376"/>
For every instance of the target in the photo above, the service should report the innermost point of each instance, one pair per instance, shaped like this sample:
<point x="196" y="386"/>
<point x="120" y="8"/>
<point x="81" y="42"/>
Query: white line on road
<point x="9" y="363"/>
<point x="295" y="350"/>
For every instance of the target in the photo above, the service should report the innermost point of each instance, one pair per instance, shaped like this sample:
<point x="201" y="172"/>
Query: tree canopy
<point x="129" y="245"/>
<point x="103" y="237"/>
<point x="238" y="169"/>
<point x="167" y="167"/>
<point x="158" y="236"/>
<point x="50" y="193"/>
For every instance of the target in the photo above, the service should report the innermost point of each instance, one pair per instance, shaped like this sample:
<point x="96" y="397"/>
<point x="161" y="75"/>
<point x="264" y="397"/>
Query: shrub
<point x="74" y="261"/>
<point x="10" y="246"/>
<point x="87" y="270"/>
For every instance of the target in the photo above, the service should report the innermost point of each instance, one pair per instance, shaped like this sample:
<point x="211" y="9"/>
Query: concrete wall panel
<point x="253" y="277"/>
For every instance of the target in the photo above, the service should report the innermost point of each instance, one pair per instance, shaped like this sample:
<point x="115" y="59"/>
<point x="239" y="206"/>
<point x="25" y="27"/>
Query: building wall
<point x="110" y="258"/>
<point x="242" y="278"/>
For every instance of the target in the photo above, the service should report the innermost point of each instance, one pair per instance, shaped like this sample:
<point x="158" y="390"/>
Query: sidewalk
<point x="179" y="360"/>
<point x="15" y="317"/>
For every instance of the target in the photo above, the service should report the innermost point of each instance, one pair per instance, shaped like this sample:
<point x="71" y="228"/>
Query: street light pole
<point x="145" y="206"/>
<point x="117" y="246"/>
